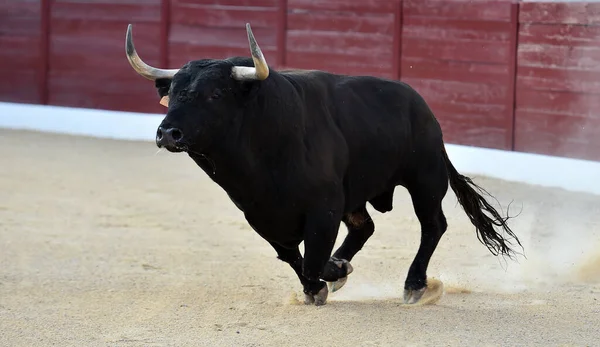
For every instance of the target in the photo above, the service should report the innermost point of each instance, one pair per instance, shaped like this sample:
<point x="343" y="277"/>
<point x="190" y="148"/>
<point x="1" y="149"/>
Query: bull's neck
<point x="257" y="152"/>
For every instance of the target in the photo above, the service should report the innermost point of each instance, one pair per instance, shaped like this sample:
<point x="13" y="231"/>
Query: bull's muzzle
<point x="170" y="138"/>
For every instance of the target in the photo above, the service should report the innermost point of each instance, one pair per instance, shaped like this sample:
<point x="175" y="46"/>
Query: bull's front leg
<point x="293" y="257"/>
<point x="320" y="232"/>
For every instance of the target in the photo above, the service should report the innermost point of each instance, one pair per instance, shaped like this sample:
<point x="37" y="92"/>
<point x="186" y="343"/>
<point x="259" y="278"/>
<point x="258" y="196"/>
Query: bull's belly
<point x="374" y="189"/>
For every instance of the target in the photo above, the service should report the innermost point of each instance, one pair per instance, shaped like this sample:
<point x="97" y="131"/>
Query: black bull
<point x="299" y="152"/>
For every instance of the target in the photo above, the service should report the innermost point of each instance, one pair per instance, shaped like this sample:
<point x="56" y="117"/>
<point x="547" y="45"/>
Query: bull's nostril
<point x="159" y="134"/>
<point x="176" y="134"/>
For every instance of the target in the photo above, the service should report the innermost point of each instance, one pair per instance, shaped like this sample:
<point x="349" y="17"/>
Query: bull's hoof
<point x="412" y="296"/>
<point x="318" y="299"/>
<point x="425" y="296"/>
<point x="337" y="285"/>
<point x="336" y="273"/>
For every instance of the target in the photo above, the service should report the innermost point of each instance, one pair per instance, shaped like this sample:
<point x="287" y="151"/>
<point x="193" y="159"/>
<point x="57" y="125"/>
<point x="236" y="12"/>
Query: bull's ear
<point x="163" y="85"/>
<point x="164" y="101"/>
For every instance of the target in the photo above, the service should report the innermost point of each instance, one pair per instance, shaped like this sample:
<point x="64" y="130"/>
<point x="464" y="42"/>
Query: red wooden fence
<point x="498" y="74"/>
<point x="558" y="80"/>
<point x="460" y="57"/>
<point x="85" y="65"/>
<point x="20" y="59"/>
<point x="341" y="36"/>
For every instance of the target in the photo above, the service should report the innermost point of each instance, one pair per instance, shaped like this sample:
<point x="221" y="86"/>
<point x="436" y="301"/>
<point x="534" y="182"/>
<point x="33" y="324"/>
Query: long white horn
<point x="260" y="71"/>
<point x="138" y="64"/>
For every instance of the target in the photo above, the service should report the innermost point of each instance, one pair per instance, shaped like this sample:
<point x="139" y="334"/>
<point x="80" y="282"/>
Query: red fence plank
<point x="460" y="9"/>
<point x="560" y="13"/>
<point x="470" y="133"/>
<point x="456" y="29"/>
<point x="450" y="70"/>
<point x="337" y="42"/>
<point x="340" y="22"/>
<point x="469" y="51"/>
<point x="359" y="7"/>
<point x="229" y="17"/>
<point x="559" y="102"/>
<point x="558" y="134"/>
<point x="141" y="11"/>
<point x="245" y="3"/>
<point x="20" y="56"/>
<point x="573" y="35"/>
<point x="568" y="57"/>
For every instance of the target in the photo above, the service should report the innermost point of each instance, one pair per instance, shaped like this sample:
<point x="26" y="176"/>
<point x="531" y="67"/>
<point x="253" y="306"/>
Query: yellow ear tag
<point x="165" y="101"/>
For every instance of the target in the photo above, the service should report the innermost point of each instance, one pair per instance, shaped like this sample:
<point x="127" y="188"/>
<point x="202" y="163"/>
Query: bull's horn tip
<point x="128" y="34"/>
<point x="129" y="41"/>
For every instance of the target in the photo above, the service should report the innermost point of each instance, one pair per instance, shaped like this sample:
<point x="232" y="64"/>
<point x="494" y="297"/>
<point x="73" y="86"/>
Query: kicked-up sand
<point x="109" y="243"/>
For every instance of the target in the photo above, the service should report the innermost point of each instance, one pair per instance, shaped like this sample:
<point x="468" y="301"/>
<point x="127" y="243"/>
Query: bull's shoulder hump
<point x="307" y="74"/>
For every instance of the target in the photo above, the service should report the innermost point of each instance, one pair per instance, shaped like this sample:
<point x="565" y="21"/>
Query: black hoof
<point x="336" y="269"/>
<point x="318" y="299"/>
<point x="336" y="273"/>
<point x="426" y="295"/>
<point x="412" y="296"/>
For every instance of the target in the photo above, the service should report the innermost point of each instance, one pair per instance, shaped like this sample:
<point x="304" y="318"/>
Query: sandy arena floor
<point x="106" y="243"/>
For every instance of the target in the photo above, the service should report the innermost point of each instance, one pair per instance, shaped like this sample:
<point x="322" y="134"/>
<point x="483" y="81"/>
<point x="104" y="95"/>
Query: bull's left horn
<point x="138" y="64"/>
<point x="260" y="71"/>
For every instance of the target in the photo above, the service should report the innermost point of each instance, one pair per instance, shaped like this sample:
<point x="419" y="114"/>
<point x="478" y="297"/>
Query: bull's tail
<point x="476" y="208"/>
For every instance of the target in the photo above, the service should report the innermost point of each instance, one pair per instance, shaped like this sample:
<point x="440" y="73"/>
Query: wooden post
<point x="397" y="47"/>
<point x="165" y="23"/>
<point x="512" y="75"/>
<point x="281" y="34"/>
<point x="44" y="53"/>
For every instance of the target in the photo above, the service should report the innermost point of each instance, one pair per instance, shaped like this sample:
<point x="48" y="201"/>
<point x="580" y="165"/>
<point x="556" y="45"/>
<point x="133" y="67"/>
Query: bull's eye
<point x="186" y="95"/>
<point x="215" y="94"/>
<point x="183" y="96"/>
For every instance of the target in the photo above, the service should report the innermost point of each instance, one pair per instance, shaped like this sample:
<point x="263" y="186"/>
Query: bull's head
<point x="204" y="97"/>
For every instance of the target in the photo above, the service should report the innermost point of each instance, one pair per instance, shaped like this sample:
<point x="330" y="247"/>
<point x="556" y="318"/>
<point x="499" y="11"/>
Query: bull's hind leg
<point x="427" y="197"/>
<point x="360" y="228"/>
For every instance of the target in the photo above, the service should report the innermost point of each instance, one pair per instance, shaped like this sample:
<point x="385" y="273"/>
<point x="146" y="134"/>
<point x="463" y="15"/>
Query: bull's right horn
<point x="138" y="64"/>
<point x="260" y="71"/>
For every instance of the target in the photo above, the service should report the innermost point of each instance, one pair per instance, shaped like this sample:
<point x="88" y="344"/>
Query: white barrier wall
<point x="569" y="174"/>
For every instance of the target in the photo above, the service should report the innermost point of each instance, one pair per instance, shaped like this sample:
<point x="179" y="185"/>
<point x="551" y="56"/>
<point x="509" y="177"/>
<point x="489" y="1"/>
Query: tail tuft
<point x="482" y="215"/>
